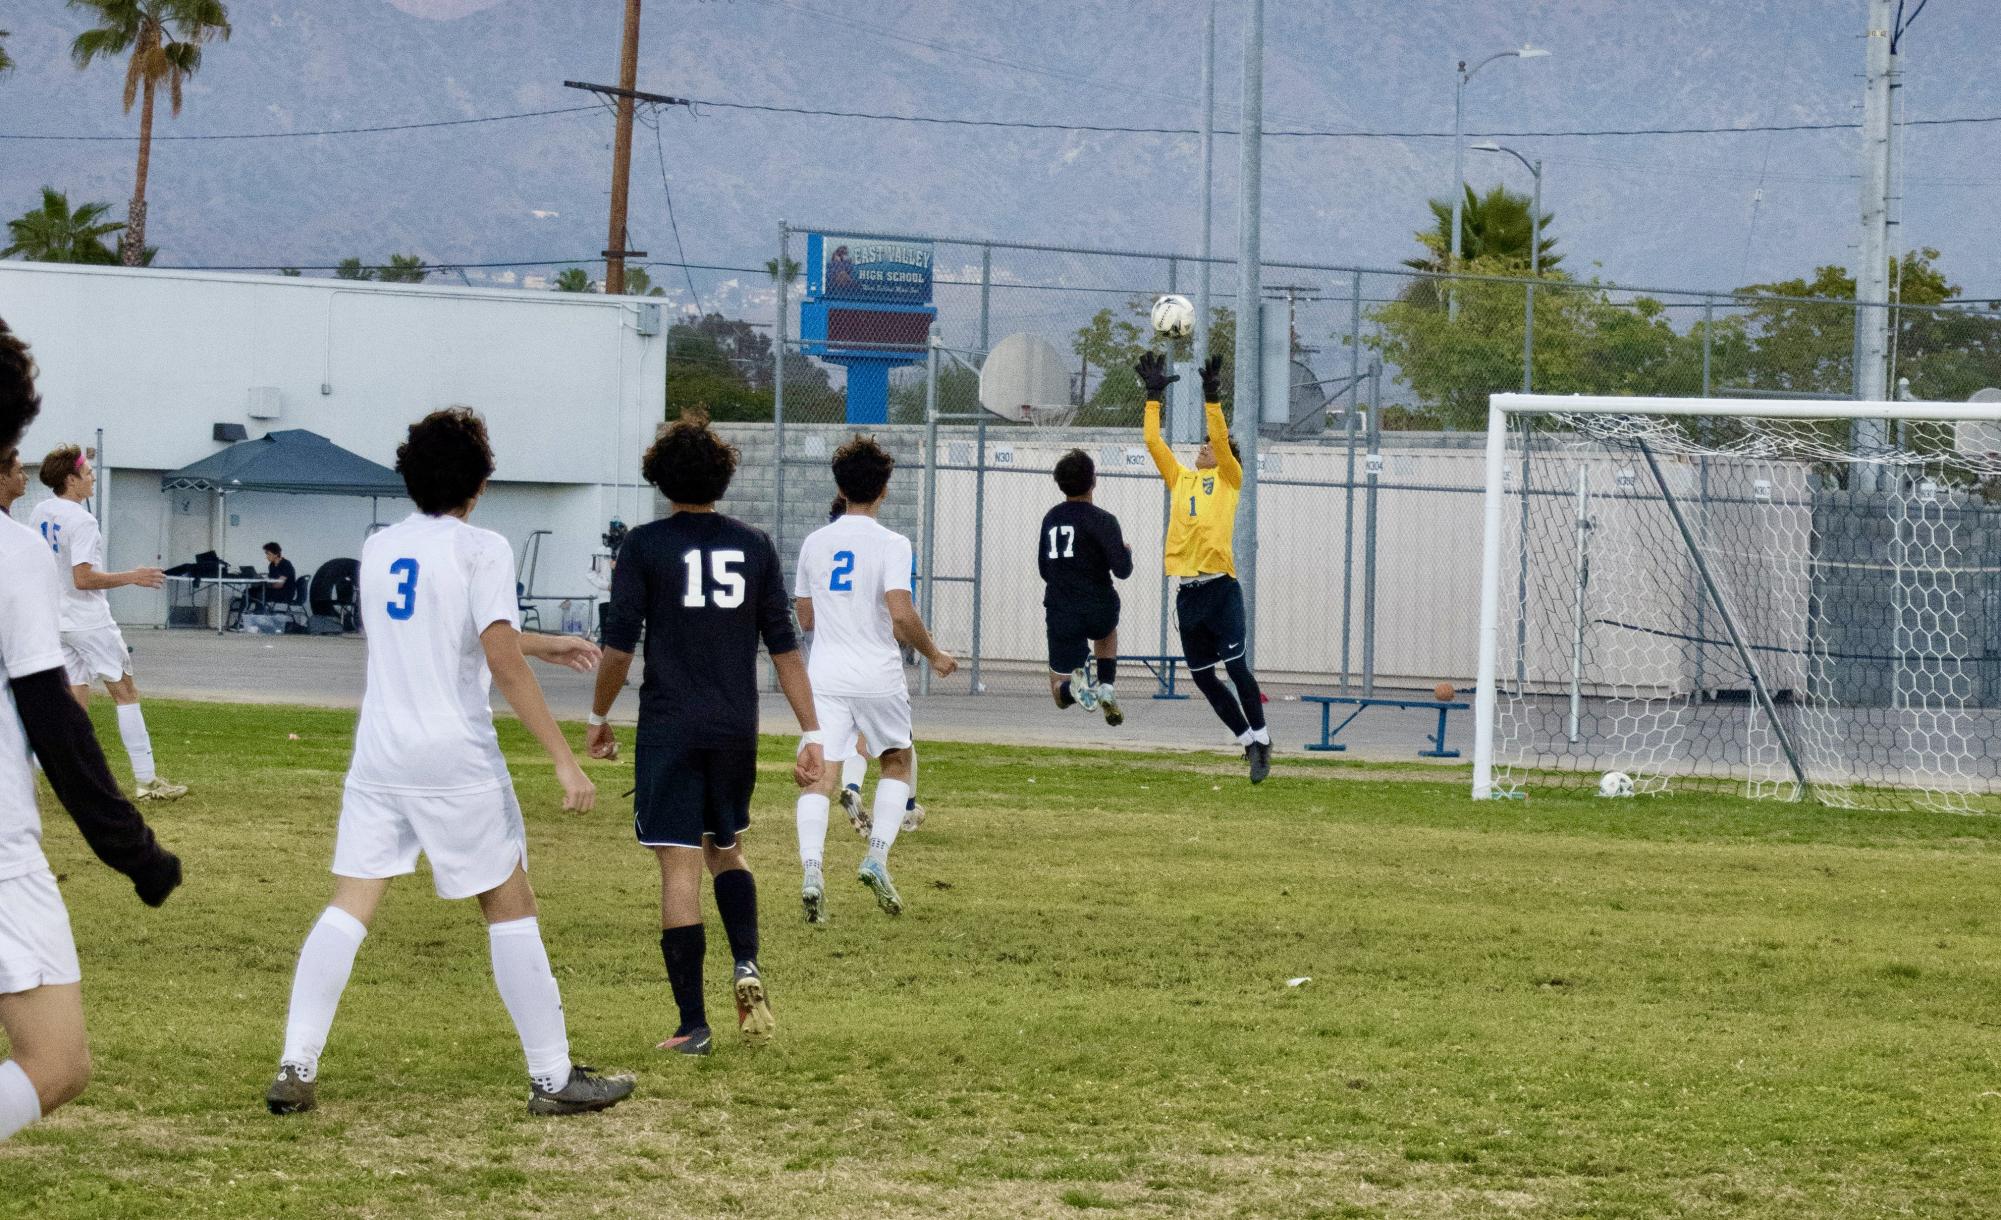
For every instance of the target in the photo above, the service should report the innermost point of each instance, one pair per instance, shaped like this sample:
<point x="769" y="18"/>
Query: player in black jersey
<point x="1079" y="550"/>
<point x="706" y="588"/>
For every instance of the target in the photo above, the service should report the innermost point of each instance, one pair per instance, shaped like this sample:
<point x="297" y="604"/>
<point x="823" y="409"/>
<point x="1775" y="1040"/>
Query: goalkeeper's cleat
<point x="292" y="1092"/>
<point x="813" y="896"/>
<point x="875" y="875"/>
<point x="753" y="1010"/>
<point x="157" y="789"/>
<point x="858" y="815"/>
<point x="695" y="1042"/>
<point x="1082" y="690"/>
<point x="586" y="1092"/>
<point x="913" y="815"/>
<point x="1108" y="703"/>
<point x="1259" y="754"/>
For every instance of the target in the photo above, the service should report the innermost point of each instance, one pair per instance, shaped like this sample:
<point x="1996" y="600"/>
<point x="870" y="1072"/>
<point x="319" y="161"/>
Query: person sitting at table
<point x="281" y="578"/>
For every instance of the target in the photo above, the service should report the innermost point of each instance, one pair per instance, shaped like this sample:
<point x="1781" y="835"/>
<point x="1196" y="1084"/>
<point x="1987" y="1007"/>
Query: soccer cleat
<point x="913" y="816"/>
<point x="753" y="1010"/>
<point x="875" y="875"/>
<point x="813" y="896"/>
<point x="858" y="815"/>
<point x="1082" y="690"/>
<point x="157" y="789"/>
<point x="1259" y="754"/>
<point x="694" y="1042"/>
<point x="292" y="1092"/>
<point x="586" y="1092"/>
<point x="1108" y="703"/>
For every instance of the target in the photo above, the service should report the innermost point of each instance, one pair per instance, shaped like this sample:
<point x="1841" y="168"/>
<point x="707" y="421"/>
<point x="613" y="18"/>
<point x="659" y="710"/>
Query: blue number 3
<point x="844" y="567"/>
<point x="407" y="569"/>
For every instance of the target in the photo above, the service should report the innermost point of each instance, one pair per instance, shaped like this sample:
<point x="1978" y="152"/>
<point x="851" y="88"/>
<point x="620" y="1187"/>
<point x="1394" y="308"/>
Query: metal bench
<point x="1163" y="670"/>
<point x="1330" y="731"/>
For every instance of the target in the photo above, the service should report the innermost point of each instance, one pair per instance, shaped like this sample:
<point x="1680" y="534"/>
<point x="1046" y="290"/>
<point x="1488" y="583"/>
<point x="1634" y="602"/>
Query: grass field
<point x="1565" y="1007"/>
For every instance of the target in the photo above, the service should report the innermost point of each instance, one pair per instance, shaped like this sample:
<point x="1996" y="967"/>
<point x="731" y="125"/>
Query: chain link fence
<point x="1370" y="476"/>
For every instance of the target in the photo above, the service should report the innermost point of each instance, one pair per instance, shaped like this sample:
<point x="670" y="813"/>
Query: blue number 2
<point x="52" y="533"/>
<point x="844" y="567"/>
<point x="407" y="569"/>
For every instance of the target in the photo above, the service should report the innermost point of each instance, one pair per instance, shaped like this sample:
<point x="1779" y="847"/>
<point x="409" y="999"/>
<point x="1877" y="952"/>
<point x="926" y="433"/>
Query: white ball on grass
<point x="1615" y="783"/>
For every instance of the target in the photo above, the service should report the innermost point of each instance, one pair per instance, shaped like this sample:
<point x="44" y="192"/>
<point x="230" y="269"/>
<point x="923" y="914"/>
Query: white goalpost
<point x="1733" y="593"/>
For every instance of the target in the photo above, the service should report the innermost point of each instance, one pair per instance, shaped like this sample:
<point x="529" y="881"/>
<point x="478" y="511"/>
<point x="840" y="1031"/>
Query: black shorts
<point x="686" y="793"/>
<point x="1211" y="616"/>
<point x="1073" y="627"/>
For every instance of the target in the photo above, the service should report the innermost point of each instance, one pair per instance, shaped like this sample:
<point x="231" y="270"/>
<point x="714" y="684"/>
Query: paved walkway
<point x="327" y="671"/>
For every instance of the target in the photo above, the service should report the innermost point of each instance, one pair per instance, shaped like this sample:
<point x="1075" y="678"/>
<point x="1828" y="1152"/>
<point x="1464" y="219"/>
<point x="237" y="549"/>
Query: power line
<point x="329" y="131"/>
<point x="660" y="148"/>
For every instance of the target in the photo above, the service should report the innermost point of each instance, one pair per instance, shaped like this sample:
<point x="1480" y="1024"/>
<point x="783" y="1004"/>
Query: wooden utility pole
<point x="621" y="153"/>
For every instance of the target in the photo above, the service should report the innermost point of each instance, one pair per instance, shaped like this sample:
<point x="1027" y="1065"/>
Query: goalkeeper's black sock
<point x="684" y="948"/>
<point x="1247" y="692"/>
<point x="1222" y="700"/>
<point x="1108" y="671"/>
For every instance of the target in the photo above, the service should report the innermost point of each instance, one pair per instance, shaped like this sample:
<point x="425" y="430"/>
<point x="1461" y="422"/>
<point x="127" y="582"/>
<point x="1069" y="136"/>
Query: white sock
<point x="890" y="796"/>
<point x="1246" y="737"/>
<point x="854" y="771"/>
<point x="138" y="743"/>
<point x="1261" y="736"/>
<point x="19" y="1105"/>
<point x="528" y="988"/>
<point x="324" y="964"/>
<point x="811" y="815"/>
<point x="1108" y="692"/>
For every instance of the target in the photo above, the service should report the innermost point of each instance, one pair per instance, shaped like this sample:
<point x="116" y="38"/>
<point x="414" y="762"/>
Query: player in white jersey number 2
<point x="41" y="992"/>
<point x="439" y="607"/>
<point x="93" y="649"/>
<point x="852" y="591"/>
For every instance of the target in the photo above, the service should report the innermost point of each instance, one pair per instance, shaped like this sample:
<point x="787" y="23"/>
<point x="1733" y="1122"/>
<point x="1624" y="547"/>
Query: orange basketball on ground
<point x="1443" y="692"/>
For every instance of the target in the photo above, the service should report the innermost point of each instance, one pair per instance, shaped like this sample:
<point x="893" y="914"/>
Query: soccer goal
<point x="1789" y="598"/>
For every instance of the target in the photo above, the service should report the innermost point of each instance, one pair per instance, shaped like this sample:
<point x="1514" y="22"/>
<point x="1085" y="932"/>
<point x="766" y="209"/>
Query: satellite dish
<point x="1026" y="379"/>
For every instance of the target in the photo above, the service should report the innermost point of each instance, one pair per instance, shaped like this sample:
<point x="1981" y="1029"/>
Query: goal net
<point x="1783" y="598"/>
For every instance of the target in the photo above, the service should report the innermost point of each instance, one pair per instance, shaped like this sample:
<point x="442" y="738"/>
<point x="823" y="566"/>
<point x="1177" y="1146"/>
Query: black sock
<point x="684" y="948"/>
<point x="1222" y="700"/>
<point x="1063" y="696"/>
<point x="1108" y="671"/>
<point x="736" y="902"/>
<point x="1247" y="692"/>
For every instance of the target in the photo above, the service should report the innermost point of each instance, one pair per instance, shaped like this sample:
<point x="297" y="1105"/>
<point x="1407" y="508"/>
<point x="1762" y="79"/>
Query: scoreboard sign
<point x="866" y="269"/>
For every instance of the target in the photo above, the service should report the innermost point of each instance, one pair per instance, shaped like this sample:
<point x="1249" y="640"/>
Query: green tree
<point x="958" y="392"/>
<point x="291" y="272"/>
<point x="1111" y="343"/>
<point x="1494" y="228"/>
<point x="574" y="279"/>
<point x="350" y="268"/>
<point x="403" y="269"/>
<point x="164" y="39"/>
<point x="54" y="233"/>
<point x="640" y="284"/>
<point x="791" y="269"/>
<point x="6" y="61"/>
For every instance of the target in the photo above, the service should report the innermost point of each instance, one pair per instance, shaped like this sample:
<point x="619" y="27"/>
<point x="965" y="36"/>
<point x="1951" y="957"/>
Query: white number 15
<point x="729" y="594"/>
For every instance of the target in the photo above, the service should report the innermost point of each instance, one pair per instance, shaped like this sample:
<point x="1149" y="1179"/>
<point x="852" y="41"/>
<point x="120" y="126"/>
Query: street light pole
<point x="1535" y="258"/>
<point x="1465" y="74"/>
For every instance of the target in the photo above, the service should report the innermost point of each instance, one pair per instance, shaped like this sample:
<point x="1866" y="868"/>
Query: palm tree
<point x="53" y="233"/>
<point x="165" y="39"/>
<point x="6" y="60"/>
<point x="574" y="279"/>
<point x="640" y="284"/>
<point x="404" y="269"/>
<point x="791" y="269"/>
<point x="1494" y="225"/>
<point x="350" y="268"/>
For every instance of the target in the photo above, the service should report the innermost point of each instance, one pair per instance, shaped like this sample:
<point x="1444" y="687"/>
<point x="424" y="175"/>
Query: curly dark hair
<point x="446" y="460"/>
<point x="689" y="463"/>
<point x="19" y="403"/>
<point x="838" y="509"/>
<point x="1076" y="473"/>
<point x="861" y="470"/>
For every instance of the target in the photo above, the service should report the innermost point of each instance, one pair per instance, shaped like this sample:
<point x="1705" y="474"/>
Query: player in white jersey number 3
<point x="93" y="649"/>
<point x="852" y="591"/>
<point x="438" y="604"/>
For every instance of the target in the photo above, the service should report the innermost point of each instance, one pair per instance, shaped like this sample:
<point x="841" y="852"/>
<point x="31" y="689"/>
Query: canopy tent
<point x="293" y="461"/>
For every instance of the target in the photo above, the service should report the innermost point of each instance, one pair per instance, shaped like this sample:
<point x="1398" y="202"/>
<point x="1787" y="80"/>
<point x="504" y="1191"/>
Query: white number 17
<point x="1068" y="544"/>
<point x="730" y="593"/>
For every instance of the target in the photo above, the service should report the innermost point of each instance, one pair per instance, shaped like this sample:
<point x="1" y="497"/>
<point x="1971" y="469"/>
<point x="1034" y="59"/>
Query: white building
<point x="147" y="363"/>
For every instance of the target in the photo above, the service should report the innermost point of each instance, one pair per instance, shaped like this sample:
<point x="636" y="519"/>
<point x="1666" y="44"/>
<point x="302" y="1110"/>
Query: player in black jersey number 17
<point x="1079" y="551"/>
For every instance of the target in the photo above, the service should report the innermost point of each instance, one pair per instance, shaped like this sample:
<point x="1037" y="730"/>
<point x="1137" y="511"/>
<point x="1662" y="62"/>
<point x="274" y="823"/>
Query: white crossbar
<point x="1761" y="408"/>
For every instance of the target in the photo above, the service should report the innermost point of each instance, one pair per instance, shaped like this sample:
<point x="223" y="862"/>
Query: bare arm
<point x="602" y="742"/>
<point x="910" y="629"/>
<point x="88" y="577"/>
<point x="798" y="690"/>
<point x="569" y="651"/>
<point x="511" y="674"/>
<point x="803" y="607"/>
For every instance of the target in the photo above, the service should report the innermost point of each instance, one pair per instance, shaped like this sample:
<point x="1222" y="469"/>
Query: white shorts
<point x="472" y="839"/>
<point x="36" y="949"/>
<point x="96" y="652"/>
<point x="882" y="720"/>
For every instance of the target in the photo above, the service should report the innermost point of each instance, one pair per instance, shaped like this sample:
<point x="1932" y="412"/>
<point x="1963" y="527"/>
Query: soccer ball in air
<point x="1174" y="317"/>
<point x="1615" y="783"/>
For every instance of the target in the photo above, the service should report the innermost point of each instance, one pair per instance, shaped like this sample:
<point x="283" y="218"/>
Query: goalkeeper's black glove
<point x="1212" y="379"/>
<point x="1153" y="374"/>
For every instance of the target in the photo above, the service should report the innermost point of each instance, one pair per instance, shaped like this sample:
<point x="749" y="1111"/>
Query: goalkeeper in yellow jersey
<point x="1209" y="604"/>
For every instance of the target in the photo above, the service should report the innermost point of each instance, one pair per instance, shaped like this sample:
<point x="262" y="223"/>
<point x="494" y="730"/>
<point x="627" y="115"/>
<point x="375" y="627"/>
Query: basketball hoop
<point x="1026" y="380"/>
<point x="1048" y="417"/>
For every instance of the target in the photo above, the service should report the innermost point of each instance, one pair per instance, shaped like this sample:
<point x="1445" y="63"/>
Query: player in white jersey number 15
<point x="93" y="648"/>
<point x="852" y="591"/>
